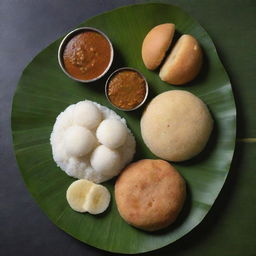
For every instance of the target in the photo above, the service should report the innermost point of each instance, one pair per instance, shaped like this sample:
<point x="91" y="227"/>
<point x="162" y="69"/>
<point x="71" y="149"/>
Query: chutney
<point x="126" y="89"/>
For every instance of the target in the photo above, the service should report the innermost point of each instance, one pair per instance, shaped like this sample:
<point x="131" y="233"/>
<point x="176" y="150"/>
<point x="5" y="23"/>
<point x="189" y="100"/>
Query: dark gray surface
<point x="28" y="26"/>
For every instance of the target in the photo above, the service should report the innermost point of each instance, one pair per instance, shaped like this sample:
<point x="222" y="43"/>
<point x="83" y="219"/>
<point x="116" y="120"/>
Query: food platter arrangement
<point x="124" y="129"/>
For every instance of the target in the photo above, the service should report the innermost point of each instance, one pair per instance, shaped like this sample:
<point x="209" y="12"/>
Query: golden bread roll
<point x="183" y="63"/>
<point x="150" y="194"/>
<point x="176" y="125"/>
<point x="156" y="43"/>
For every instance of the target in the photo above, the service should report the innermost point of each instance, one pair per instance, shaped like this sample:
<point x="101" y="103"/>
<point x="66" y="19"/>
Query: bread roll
<point x="150" y="194"/>
<point x="176" y="125"/>
<point x="156" y="43"/>
<point x="183" y="63"/>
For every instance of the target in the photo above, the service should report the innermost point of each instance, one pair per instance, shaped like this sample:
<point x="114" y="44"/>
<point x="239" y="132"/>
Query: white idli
<point x="176" y="125"/>
<point x="87" y="114"/>
<point x="105" y="160"/>
<point x="111" y="133"/>
<point x="73" y="144"/>
<point x="78" y="141"/>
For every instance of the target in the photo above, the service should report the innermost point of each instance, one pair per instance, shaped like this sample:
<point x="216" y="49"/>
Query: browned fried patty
<point x="150" y="194"/>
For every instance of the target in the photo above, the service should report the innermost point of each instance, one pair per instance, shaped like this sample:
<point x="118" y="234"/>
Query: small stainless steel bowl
<point x="111" y="76"/>
<point x="68" y="37"/>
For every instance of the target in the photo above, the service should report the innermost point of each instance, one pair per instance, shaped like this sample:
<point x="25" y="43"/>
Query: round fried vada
<point x="150" y="194"/>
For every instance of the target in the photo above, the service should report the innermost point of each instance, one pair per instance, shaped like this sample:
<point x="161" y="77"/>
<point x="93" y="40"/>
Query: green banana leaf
<point x="44" y="91"/>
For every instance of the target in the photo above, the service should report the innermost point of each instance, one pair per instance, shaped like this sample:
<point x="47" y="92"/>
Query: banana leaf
<point x="44" y="91"/>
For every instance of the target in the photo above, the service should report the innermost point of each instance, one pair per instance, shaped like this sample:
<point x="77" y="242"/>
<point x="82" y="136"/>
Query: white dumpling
<point x="105" y="161"/>
<point x="87" y="114"/>
<point x="112" y="133"/>
<point x="78" y="141"/>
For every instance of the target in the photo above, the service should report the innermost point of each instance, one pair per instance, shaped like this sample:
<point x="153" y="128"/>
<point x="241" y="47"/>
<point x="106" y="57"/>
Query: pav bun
<point x="156" y="43"/>
<point x="183" y="63"/>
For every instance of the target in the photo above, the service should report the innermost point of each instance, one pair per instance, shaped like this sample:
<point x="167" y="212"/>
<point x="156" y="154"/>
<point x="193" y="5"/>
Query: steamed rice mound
<point x="77" y="150"/>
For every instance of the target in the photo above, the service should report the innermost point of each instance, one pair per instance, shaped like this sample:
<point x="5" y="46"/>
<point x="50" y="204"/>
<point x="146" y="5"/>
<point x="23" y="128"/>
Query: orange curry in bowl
<point x="126" y="89"/>
<point x="87" y="55"/>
